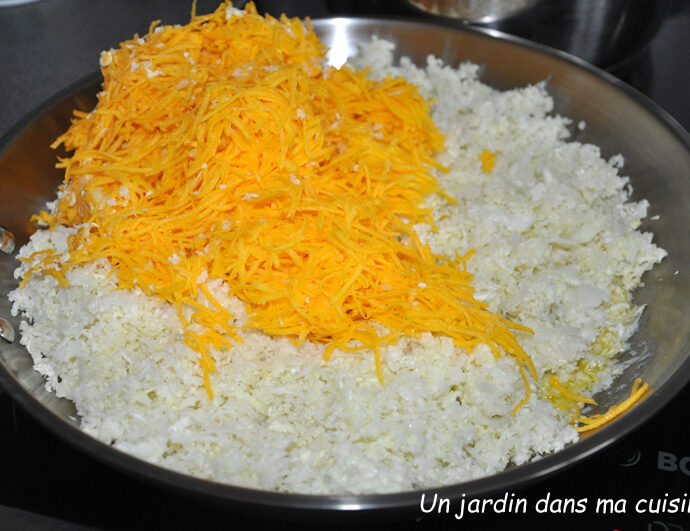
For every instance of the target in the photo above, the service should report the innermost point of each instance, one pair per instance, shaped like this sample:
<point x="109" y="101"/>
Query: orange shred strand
<point x="595" y="421"/>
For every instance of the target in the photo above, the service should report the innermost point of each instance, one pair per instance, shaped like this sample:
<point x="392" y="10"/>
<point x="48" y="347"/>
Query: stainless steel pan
<point x="620" y="120"/>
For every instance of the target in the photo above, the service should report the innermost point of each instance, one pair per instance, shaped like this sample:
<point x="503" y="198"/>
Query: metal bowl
<point x="607" y="33"/>
<point x="474" y="11"/>
<point x="619" y="120"/>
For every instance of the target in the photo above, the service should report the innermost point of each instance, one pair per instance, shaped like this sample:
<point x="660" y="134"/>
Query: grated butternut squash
<point x="226" y="149"/>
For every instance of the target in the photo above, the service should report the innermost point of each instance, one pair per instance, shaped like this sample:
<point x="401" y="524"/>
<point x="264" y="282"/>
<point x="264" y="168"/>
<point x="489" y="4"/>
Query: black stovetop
<point x="46" y="484"/>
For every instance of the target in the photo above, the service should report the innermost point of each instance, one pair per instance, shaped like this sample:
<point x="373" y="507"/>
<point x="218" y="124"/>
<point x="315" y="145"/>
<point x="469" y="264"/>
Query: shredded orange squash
<point x="573" y="399"/>
<point x="595" y="421"/>
<point x="226" y="149"/>
<point x="488" y="160"/>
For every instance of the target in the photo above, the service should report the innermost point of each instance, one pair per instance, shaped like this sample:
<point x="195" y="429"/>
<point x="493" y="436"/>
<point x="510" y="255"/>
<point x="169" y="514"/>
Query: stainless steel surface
<point x="602" y="32"/>
<point x="474" y="11"/>
<point x="619" y="120"/>
<point x="6" y="240"/>
<point x="9" y="3"/>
